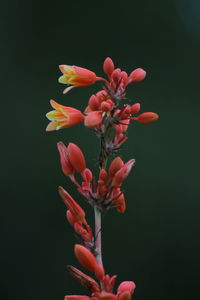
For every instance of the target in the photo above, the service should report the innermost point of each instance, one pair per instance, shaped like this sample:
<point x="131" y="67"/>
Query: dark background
<point x="156" y="242"/>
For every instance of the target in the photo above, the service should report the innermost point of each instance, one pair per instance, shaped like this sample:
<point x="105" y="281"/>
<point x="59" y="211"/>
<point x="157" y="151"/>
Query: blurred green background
<point x="156" y="242"/>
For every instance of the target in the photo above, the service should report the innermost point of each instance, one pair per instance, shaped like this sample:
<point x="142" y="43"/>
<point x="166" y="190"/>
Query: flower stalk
<point x="109" y="116"/>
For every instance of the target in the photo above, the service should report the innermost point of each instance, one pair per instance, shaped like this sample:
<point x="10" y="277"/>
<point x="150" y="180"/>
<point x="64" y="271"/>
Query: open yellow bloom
<point x="63" y="116"/>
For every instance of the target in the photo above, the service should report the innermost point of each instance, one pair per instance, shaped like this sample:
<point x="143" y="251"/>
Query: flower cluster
<point x="105" y="192"/>
<point x="109" y="116"/>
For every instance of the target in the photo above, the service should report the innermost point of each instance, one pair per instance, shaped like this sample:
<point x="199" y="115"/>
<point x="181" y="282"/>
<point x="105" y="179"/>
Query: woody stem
<point x="97" y="214"/>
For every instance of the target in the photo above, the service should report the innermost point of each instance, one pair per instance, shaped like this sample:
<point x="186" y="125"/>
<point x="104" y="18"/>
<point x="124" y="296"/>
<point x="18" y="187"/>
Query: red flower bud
<point x="66" y="166"/>
<point x="70" y="217"/>
<point x="87" y="175"/>
<point x="86" y="281"/>
<point x="135" y="108"/>
<point x="126" y="286"/>
<point x="99" y="272"/>
<point x="120" y="203"/>
<point x="102" y="96"/>
<point x="116" y="75"/>
<point x="93" y="102"/>
<point x="77" y="212"/>
<point x="93" y="119"/>
<point x="108" y="66"/>
<point x="125" y="112"/>
<point x="85" y="257"/>
<point x="121" y="175"/>
<point x="115" y="166"/>
<point x="76" y="157"/>
<point x="105" y="106"/>
<point x="137" y="75"/>
<point x="103" y="175"/>
<point x="147" y="118"/>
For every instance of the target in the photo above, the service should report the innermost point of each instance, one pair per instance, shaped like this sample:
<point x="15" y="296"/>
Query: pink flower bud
<point x="120" y="203"/>
<point x="85" y="257"/>
<point x="76" y="157"/>
<point x="116" y="75"/>
<point x="147" y="118"/>
<point x="87" y="110"/>
<point x="77" y="212"/>
<point x="66" y="166"/>
<point x="87" y="175"/>
<point x="135" y="108"/>
<point x="108" y="66"/>
<point x="93" y="119"/>
<point x="125" y="125"/>
<point x="125" y="112"/>
<point x="115" y="166"/>
<point x="103" y="175"/>
<point x="102" y="96"/>
<point x="137" y="75"/>
<point x="93" y="102"/>
<point x="122" y="174"/>
<point x="70" y="217"/>
<point x="126" y="286"/>
<point x="79" y="229"/>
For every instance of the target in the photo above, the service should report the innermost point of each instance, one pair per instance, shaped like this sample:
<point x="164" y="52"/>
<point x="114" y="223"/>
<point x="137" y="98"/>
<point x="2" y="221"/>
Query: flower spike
<point x="108" y="114"/>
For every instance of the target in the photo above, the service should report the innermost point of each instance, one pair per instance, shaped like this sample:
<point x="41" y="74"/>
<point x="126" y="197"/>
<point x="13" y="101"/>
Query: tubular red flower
<point x="76" y="157"/>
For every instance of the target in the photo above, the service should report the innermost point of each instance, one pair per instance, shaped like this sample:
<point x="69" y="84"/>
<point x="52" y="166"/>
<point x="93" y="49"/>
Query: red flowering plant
<point x="108" y="115"/>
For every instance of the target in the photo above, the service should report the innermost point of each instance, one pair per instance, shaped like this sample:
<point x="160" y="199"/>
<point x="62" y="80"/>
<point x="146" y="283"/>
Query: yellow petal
<point x="51" y="126"/>
<point x="63" y="79"/>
